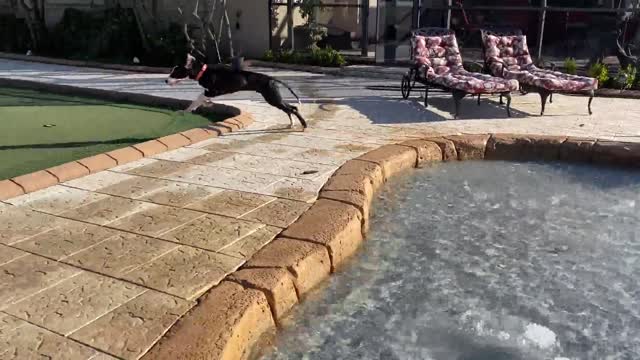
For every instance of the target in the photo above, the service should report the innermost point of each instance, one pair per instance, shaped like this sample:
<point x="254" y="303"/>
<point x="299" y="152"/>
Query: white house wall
<point x="250" y="26"/>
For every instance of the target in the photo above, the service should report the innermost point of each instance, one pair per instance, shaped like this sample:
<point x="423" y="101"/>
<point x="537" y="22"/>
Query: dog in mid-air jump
<point x="220" y="80"/>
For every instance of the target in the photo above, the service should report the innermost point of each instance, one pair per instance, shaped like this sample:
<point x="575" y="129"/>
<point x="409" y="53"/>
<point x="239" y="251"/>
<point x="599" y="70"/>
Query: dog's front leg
<point x="210" y="95"/>
<point x="196" y="103"/>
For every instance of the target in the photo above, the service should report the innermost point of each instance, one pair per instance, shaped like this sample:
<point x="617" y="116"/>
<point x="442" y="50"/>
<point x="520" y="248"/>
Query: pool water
<point x="485" y="261"/>
<point x="40" y="130"/>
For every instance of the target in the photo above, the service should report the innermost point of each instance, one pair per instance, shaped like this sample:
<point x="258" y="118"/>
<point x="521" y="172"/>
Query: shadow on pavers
<point x="384" y="110"/>
<point x="74" y="144"/>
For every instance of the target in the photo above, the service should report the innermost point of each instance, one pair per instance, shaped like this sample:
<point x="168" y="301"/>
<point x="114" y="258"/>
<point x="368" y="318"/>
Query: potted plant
<point x="307" y="36"/>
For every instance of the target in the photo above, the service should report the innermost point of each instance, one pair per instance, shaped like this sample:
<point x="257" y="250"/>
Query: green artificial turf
<point x="40" y="130"/>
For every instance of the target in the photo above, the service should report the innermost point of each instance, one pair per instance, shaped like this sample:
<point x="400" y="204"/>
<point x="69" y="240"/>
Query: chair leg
<point x="544" y="95"/>
<point x="522" y="90"/>
<point x="478" y="99"/>
<point x="426" y="96"/>
<point x="508" y="96"/>
<point x="457" y="96"/>
<point x="551" y="98"/>
<point x="592" y="93"/>
<point x="501" y="102"/>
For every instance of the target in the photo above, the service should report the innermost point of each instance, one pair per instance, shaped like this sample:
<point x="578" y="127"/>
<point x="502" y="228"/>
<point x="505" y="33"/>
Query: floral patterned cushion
<point x="552" y="80"/>
<point x="508" y="52"/>
<point x="440" y="58"/>
<point x="473" y="83"/>
<point x="508" y="57"/>
<point x="439" y="53"/>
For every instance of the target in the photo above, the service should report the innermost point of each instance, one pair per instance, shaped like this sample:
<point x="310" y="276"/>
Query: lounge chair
<point x="437" y="64"/>
<point x="506" y="54"/>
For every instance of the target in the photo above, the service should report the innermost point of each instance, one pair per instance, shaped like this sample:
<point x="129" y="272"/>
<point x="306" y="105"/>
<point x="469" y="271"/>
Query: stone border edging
<point x="232" y="317"/>
<point x="41" y="179"/>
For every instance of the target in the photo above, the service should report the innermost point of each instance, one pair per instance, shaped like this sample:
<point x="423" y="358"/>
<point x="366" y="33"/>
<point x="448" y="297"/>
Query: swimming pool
<point x="485" y="260"/>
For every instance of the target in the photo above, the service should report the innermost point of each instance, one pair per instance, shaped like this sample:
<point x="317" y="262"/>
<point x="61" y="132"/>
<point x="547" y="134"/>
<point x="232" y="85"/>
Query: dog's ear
<point x="190" y="61"/>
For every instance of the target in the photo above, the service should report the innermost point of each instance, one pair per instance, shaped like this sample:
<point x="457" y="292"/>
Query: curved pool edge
<point x="41" y="179"/>
<point x="230" y="319"/>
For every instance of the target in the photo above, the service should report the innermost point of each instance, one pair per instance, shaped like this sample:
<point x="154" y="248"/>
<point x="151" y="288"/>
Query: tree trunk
<point x="226" y="20"/>
<point x="141" y="31"/>
<point x="623" y="48"/>
<point x="35" y="19"/>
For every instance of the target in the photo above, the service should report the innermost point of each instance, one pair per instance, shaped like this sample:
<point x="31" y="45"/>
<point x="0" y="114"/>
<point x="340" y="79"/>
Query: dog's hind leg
<point x="272" y="95"/>
<point x="291" y="110"/>
<point x="290" y="121"/>
<point x="294" y="111"/>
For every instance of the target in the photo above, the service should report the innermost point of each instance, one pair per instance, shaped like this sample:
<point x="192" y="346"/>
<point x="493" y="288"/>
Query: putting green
<point x="40" y="130"/>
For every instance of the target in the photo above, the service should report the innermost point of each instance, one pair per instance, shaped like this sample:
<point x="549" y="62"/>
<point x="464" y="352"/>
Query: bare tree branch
<point x="211" y="30"/>
<point x="141" y="32"/>
<point x="212" y="11"/>
<point x="215" y="42"/>
<point x="203" y="15"/>
<point x="226" y="19"/>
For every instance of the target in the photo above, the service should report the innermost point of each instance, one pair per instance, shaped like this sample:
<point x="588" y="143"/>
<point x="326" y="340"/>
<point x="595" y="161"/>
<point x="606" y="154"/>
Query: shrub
<point x="168" y="47"/>
<point x="600" y="72"/>
<point x="14" y="34"/>
<point x="627" y="76"/>
<point x="473" y="66"/>
<point x="570" y="66"/>
<point x="269" y="56"/>
<point x="111" y="34"/>
<point x="327" y="57"/>
<point x="318" y="57"/>
<point x="290" y="57"/>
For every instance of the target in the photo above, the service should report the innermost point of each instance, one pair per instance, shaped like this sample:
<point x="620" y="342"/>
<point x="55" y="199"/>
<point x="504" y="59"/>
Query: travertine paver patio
<point x="100" y="267"/>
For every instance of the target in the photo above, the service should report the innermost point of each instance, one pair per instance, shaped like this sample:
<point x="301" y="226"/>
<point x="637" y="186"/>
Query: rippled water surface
<point x="486" y="261"/>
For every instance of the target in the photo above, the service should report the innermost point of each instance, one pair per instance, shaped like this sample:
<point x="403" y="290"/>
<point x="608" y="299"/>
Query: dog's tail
<point x="291" y="90"/>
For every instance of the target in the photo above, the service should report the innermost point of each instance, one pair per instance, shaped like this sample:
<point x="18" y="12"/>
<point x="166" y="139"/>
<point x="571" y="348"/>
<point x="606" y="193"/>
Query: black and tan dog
<point x="220" y="80"/>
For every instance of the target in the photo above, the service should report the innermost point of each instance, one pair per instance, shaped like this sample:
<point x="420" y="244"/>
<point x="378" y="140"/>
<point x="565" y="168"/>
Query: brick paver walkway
<point x="100" y="267"/>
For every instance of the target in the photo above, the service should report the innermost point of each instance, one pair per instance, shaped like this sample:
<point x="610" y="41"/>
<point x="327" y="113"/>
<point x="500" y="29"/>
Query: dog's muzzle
<point x="172" y="81"/>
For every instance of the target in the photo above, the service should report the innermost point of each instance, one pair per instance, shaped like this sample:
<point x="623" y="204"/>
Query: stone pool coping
<point x="232" y="317"/>
<point x="41" y="179"/>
